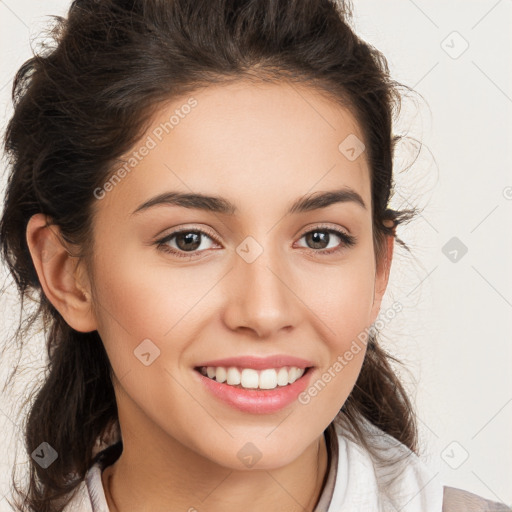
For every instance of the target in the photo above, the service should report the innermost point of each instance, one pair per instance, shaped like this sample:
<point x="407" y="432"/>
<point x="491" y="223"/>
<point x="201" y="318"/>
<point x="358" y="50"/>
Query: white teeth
<point x="249" y="378"/>
<point x="293" y="374"/>
<point x="253" y="379"/>
<point x="268" y="379"/>
<point x="282" y="377"/>
<point x="220" y="374"/>
<point x="233" y="376"/>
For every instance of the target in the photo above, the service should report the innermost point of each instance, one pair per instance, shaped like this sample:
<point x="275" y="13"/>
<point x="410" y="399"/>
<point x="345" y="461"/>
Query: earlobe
<point x="59" y="274"/>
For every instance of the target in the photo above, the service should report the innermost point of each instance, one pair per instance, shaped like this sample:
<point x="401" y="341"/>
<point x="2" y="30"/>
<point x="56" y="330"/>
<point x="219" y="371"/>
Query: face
<point x="246" y="276"/>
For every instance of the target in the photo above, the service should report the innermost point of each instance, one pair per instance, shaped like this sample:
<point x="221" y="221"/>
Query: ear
<point x="60" y="273"/>
<point x="383" y="267"/>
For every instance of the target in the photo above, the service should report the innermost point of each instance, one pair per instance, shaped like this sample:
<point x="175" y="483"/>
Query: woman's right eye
<point x="184" y="240"/>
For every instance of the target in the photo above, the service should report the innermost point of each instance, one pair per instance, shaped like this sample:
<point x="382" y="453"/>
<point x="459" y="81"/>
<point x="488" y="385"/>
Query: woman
<point x="199" y="194"/>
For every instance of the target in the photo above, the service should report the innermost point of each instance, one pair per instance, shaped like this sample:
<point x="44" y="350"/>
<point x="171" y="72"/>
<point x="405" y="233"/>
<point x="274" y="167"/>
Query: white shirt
<point x="355" y="481"/>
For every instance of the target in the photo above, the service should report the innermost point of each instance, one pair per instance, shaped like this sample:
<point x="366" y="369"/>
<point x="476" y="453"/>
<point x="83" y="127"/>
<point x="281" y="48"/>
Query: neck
<point x="136" y="482"/>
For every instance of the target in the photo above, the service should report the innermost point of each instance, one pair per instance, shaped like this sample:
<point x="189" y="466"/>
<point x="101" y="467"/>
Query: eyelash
<point x="347" y="241"/>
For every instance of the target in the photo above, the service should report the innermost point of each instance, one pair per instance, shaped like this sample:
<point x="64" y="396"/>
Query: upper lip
<point x="259" y="363"/>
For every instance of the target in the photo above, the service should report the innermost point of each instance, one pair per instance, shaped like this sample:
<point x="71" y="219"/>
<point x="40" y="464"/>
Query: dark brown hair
<point x="83" y="100"/>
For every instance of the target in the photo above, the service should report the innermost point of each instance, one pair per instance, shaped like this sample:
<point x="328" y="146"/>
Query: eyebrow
<point x="217" y="204"/>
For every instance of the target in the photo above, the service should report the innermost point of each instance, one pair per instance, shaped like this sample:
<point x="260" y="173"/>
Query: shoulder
<point x="396" y="480"/>
<point x="458" y="500"/>
<point x="408" y="484"/>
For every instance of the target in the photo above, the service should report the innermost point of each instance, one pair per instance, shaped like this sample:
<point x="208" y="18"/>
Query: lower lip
<point x="257" y="401"/>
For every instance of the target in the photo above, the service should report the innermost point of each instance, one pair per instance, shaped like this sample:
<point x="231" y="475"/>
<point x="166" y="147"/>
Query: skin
<point x="261" y="147"/>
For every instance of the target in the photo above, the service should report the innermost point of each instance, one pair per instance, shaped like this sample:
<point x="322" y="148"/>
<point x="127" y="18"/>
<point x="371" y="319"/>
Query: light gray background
<point x="455" y="331"/>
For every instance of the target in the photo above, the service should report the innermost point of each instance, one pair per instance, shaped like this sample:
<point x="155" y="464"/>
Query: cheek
<point x="138" y="300"/>
<point x="342" y="301"/>
<point x="147" y="309"/>
<point x="126" y="296"/>
<point x="342" y="296"/>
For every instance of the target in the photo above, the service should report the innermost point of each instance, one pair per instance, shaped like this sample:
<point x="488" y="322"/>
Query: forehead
<point x="253" y="144"/>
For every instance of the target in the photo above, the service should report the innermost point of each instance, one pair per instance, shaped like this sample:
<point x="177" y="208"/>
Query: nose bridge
<point x="264" y="301"/>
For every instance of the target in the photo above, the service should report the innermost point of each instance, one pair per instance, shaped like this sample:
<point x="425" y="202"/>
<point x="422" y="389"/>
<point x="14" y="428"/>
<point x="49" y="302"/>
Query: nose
<point x="260" y="296"/>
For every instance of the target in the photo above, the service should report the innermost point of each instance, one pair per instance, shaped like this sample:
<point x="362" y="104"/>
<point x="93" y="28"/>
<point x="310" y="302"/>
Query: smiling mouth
<point x="249" y="378"/>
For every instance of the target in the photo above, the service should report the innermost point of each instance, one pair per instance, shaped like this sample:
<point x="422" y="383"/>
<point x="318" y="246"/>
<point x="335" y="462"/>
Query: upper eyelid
<point x="326" y="226"/>
<point x="207" y="231"/>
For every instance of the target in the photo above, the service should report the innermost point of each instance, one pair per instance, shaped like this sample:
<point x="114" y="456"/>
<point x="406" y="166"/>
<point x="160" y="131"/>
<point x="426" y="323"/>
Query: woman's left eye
<point x="184" y="241"/>
<point x="320" y="236"/>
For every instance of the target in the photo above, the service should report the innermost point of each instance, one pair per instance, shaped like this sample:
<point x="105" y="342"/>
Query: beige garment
<point x="458" y="500"/>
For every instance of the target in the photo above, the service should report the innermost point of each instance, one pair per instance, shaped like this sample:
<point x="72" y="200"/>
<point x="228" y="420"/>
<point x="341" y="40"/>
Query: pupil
<point x="319" y="238"/>
<point x="189" y="237"/>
